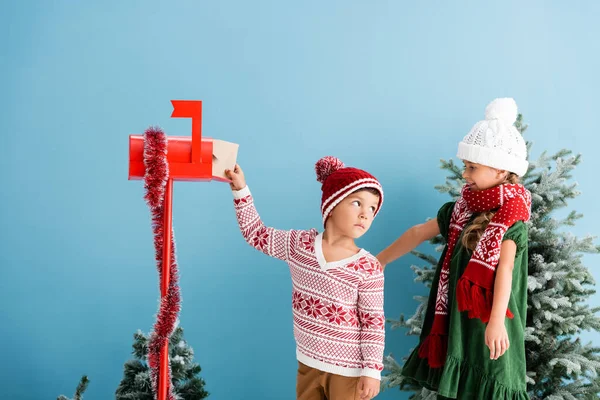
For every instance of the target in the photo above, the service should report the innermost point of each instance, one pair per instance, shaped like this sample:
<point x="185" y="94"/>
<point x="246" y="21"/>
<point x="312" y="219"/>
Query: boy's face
<point x="481" y="177"/>
<point x="353" y="216"/>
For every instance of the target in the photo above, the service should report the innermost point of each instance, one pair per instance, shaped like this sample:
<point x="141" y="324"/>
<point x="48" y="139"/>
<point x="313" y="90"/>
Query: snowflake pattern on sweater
<point x="339" y="324"/>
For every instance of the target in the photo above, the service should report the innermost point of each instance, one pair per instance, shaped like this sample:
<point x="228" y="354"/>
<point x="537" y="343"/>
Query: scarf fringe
<point x="476" y="300"/>
<point x="434" y="348"/>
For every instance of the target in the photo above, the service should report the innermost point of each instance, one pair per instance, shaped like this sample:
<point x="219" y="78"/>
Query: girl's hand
<point x="496" y="338"/>
<point x="238" y="182"/>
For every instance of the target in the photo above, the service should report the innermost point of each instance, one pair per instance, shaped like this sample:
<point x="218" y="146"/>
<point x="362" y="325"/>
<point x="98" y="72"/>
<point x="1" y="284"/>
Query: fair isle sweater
<point x="337" y="306"/>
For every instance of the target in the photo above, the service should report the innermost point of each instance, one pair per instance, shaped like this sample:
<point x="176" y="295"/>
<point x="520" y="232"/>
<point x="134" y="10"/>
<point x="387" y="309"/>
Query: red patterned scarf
<point x="475" y="287"/>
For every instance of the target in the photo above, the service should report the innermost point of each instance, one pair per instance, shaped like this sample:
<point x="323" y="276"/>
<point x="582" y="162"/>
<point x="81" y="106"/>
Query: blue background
<point x="388" y="86"/>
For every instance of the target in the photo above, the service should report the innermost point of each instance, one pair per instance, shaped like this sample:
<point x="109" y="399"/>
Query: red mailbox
<point x="189" y="158"/>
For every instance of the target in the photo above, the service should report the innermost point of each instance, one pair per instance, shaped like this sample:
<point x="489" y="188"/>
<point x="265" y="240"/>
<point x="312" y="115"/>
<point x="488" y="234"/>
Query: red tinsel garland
<point x="155" y="179"/>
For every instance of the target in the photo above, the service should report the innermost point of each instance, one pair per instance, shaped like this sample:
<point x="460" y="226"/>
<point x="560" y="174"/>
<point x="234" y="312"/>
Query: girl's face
<point x="481" y="177"/>
<point x="354" y="215"/>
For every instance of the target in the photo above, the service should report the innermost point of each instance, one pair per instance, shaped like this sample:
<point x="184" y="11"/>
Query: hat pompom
<point x="504" y="109"/>
<point x="326" y="166"/>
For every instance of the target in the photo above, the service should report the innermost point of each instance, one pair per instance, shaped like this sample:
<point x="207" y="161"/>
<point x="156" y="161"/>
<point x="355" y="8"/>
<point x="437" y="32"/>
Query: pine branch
<point x="136" y="383"/>
<point x="426" y="257"/>
<point x="81" y="388"/>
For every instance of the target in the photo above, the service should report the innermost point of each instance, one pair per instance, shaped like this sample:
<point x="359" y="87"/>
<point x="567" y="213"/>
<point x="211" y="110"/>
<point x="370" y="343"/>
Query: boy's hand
<point x="238" y="182"/>
<point x="496" y="338"/>
<point x="367" y="387"/>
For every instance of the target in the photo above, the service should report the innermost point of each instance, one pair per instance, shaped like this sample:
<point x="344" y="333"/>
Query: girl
<point x="472" y="343"/>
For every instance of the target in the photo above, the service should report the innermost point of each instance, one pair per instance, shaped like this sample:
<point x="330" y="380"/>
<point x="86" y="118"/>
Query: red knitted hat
<point x="340" y="181"/>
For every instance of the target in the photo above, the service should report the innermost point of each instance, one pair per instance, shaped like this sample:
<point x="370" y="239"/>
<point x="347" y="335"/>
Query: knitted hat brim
<point x="491" y="158"/>
<point x="341" y="194"/>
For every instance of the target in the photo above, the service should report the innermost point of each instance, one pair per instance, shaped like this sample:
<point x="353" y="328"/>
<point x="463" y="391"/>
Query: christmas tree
<point x="83" y="384"/>
<point x="559" y="365"/>
<point x="136" y="377"/>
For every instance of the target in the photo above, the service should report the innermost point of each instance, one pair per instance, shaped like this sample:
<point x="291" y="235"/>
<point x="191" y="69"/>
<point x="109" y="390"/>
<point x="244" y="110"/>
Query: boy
<point x="337" y="298"/>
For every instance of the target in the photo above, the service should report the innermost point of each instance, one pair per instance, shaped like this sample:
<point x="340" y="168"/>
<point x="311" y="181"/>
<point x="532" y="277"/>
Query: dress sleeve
<point x="443" y="218"/>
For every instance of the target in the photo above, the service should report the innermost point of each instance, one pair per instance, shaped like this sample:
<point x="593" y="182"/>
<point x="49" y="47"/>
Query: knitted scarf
<point x="474" y="292"/>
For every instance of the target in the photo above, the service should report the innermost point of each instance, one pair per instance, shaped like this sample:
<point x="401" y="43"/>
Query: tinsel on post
<point x="142" y="381"/>
<point x="559" y="365"/>
<point x="156" y="182"/>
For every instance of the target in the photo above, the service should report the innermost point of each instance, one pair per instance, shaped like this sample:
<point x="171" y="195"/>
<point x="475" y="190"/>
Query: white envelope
<point x="224" y="157"/>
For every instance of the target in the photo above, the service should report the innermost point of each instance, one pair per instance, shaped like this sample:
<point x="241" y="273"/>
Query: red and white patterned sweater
<point x="337" y="306"/>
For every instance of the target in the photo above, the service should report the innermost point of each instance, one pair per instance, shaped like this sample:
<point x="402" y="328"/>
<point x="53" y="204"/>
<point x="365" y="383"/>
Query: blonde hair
<point x="475" y="229"/>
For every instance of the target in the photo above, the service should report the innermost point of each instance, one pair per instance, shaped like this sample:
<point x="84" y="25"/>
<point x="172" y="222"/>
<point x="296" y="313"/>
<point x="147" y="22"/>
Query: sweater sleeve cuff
<point x="371" y="373"/>
<point x="240" y="194"/>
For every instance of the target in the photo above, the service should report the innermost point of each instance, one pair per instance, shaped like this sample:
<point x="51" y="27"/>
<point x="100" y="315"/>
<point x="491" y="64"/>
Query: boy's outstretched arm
<point x="271" y="241"/>
<point x="409" y="240"/>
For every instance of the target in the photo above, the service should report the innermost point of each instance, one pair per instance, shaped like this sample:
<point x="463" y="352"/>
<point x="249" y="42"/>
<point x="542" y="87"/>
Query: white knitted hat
<point x="495" y="141"/>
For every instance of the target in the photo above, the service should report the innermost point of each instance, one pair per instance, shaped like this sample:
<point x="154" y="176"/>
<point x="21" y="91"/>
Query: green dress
<point x="468" y="372"/>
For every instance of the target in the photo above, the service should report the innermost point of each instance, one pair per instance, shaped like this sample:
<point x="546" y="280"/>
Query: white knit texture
<point x="495" y="142"/>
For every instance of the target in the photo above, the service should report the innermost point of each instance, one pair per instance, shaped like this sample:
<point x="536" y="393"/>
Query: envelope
<point x="224" y="157"/>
